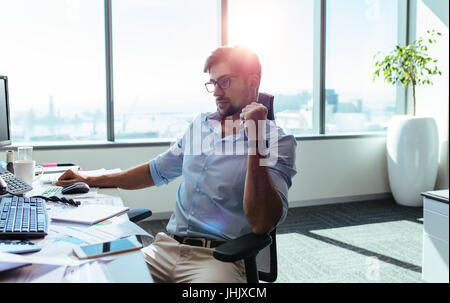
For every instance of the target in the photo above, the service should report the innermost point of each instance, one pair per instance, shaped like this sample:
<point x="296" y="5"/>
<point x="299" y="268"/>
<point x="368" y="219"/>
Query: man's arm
<point x="133" y="178"/>
<point x="263" y="205"/>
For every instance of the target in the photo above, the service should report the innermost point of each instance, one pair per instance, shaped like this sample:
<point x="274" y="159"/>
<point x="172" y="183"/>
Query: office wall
<point x="433" y="101"/>
<point x="329" y="171"/>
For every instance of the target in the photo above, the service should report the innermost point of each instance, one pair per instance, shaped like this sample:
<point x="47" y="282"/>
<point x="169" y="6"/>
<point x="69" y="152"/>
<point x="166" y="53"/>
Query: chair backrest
<point x="266" y="259"/>
<point x="267" y="101"/>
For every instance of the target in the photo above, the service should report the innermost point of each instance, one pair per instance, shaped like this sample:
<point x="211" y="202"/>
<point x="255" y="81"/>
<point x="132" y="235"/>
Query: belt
<point x="202" y="242"/>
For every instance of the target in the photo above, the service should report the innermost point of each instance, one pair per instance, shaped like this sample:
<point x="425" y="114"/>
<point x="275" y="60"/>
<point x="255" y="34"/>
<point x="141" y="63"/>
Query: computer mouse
<point x="75" y="188"/>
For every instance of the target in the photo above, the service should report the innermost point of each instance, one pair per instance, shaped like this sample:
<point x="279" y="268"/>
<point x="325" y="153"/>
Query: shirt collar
<point x="213" y="116"/>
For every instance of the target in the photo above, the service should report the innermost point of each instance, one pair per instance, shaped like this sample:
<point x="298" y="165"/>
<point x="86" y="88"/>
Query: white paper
<point x="119" y="227"/>
<point x="99" y="172"/>
<point x="93" y="272"/>
<point x="89" y="214"/>
<point x="51" y="178"/>
<point x="60" y="169"/>
<point x="37" y="259"/>
<point x="88" y="236"/>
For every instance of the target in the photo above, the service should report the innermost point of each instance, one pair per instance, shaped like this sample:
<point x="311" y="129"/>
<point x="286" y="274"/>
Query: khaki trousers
<point x="170" y="261"/>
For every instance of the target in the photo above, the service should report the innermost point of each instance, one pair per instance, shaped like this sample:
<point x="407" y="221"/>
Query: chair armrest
<point x="138" y="214"/>
<point x="240" y="248"/>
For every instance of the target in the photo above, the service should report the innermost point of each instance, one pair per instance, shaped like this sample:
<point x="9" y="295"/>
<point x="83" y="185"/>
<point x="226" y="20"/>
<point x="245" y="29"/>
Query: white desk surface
<point x="127" y="267"/>
<point x="438" y="195"/>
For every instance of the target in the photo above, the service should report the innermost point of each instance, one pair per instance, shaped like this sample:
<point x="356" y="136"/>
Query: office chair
<point x="253" y="248"/>
<point x="139" y="214"/>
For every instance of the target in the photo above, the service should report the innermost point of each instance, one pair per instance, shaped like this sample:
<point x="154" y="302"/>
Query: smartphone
<point x="107" y="248"/>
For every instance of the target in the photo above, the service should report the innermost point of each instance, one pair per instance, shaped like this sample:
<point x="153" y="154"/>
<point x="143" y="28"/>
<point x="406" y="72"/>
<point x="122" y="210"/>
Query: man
<point x="233" y="184"/>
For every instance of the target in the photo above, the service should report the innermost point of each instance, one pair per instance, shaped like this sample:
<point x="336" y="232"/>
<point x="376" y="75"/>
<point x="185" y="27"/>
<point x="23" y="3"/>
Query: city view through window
<point x="292" y="112"/>
<point x="59" y="93"/>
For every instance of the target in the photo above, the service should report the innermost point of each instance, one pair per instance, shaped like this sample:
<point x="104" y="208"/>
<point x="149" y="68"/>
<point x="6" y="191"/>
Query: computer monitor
<point x="5" y="135"/>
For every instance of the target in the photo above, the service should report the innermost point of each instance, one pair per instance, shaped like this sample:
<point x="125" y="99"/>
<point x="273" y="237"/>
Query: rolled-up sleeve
<point x="168" y="165"/>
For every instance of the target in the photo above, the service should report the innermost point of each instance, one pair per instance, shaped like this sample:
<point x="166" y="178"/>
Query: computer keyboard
<point x="23" y="218"/>
<point x="15" y="186"/>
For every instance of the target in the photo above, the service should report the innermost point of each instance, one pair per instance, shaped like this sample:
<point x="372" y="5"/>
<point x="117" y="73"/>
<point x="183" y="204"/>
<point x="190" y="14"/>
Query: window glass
<point x="281" y="34"/>
<point x="355" y="31"/>
<point x="53" y="54"/>
<point x="159" y="50"/>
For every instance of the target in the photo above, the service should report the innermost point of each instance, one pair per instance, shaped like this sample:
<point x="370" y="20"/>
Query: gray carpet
<point x="357" y="242"/>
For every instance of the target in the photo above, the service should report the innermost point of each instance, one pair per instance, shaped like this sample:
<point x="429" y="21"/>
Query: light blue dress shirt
<point x="209" y="201"/>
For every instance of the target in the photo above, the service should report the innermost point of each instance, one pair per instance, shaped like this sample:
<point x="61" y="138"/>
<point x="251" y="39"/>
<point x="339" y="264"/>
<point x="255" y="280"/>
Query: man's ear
<point x="253" y="81"/>
<point x="253" y="84"/>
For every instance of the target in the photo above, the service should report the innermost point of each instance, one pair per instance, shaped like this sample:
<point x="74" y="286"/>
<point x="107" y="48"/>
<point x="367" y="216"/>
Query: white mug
<point x="25" y="153"/>
<point x="24" y="169"/>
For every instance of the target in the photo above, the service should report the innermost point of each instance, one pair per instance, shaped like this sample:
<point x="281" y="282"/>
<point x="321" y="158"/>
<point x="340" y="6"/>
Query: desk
<point x="127" y="267"/>
<point x="435" y="236"/>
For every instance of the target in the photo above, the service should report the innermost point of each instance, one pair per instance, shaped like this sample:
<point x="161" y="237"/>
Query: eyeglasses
<point x="223" y="82"/>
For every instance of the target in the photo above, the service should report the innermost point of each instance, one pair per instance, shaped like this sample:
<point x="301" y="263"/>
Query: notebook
<point x="89" y="214"/>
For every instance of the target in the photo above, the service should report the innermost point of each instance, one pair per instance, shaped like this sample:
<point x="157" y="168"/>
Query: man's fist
<point x="254" y="111"/>
<point x="250" y="116"/>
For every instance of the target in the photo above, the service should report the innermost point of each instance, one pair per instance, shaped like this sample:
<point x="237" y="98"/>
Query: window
<point x="355" y="31"/>
<point x="53" y="54"/>
<point x="159" y="50"/>
<point x="281" y="34"/>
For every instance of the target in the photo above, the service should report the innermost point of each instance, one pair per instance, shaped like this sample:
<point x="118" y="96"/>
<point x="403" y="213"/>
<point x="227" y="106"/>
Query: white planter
<point x="412" y="157"/>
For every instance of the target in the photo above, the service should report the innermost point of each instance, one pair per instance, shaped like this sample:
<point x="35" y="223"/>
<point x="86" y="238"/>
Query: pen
<point x="57" y="164"/>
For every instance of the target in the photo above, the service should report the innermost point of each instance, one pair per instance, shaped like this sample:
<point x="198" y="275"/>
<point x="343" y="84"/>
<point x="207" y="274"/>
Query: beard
<point x="233" y="106"/>
<point x="228" y="110"/>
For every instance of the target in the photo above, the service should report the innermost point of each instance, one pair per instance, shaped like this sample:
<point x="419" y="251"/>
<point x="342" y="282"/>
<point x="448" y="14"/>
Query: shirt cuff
<point x="157" y="178"/>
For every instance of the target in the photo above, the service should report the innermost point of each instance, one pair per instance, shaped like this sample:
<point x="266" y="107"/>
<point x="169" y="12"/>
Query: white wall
<point x="433" y="101"/>
<point x="329" y="171"/>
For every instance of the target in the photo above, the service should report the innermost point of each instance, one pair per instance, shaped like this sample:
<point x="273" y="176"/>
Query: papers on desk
<point x="89" y="214"/>
<point x="6" y="258"/>
<point x="52" y="177"/>
<point x="59" y="169"/>
<point x="56" y="262"/>
<point x="61" y="269"/>
<point x="99" y="172"/>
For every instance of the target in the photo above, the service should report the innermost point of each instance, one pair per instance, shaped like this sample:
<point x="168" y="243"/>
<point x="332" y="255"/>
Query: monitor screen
<point x="5" y="138"/>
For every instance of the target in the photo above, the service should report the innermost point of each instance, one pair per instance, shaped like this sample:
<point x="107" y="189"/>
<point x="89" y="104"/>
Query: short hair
<point x="242" y="60"/>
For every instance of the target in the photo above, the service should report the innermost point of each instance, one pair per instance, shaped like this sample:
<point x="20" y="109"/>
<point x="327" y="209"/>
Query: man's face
<point x="229" y="100"/>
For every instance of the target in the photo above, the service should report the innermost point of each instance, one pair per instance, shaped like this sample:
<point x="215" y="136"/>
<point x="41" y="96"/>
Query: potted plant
<point x="411" y="142"/>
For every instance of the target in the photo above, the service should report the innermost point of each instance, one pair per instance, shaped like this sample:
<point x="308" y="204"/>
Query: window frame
<point x="405" y="28"/>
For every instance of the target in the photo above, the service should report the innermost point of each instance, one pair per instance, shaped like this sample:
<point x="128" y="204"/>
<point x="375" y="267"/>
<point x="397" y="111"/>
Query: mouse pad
<point x="52" y="191"/>
<point x="56" y="191"/>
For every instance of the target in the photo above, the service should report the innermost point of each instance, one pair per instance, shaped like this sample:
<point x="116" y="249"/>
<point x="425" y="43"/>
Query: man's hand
<point x="250" y="115"/>
<point x="70" y="177"/>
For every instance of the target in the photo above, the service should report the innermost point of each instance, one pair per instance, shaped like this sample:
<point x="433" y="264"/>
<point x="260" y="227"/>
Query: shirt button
<point x="206" y="168"/>
<point x="192" y="213"/>
<point x="198" y="189"/>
